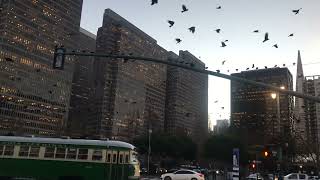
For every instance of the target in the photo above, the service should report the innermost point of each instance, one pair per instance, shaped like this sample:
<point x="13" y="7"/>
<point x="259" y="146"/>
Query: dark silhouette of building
<point x="34" y="97"/>
<point x="312" y="110"/>
<point x="82" y="87"/>
<point x="255" y="113"/>
<point x="129" y="95"/>
<point x="187" y="98"/>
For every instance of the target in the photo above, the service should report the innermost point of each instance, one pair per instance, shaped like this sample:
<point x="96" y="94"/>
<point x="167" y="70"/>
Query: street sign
<point x="236" y="164"/>
<point x="59" y="57"/>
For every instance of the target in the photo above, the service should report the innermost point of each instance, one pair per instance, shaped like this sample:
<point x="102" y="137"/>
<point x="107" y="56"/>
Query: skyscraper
<point x="312" y="110"/>
<point x="82" y="87"/>
<point x="300" y="121"/>
<point x="34" y="97"/>
<point x="260" y="118"/>
<point x="187" y="98"/>
<point x="129" y="95"/>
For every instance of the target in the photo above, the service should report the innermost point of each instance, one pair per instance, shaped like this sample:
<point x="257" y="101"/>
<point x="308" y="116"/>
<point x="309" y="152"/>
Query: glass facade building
<point x="255" y="113"/>
<point x="34" y="97"/>
<point x="187" y="98"/>
<point x="129" y="96"/>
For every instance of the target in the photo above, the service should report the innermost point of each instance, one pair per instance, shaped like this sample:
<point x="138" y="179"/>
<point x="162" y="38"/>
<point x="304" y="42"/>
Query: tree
<point x="220" y="148"/>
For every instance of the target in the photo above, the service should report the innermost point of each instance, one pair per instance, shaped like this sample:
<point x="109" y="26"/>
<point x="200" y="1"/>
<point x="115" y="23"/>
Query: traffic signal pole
<point x="60" y="53"/>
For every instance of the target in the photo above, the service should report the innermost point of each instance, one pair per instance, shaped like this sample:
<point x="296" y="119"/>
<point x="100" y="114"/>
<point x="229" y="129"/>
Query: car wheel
<point x="194" y="179"/>
<point x="167" y="178"/>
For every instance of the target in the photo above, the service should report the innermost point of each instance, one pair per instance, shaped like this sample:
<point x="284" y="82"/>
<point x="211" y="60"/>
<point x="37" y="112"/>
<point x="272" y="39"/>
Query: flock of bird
<point x="224" y="43"/>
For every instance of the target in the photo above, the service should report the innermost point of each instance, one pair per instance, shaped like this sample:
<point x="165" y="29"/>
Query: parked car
<point x="296" y="176"/>
<point x="255" y="176"/>
<point x="182" y="174"/>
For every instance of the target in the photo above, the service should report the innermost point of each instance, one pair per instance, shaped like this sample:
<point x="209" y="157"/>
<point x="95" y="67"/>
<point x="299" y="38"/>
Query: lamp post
<point x="149" y="149"/>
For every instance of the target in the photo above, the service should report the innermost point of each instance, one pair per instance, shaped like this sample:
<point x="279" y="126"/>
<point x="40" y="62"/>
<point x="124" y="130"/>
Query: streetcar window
<point x="120" y="158"/>
<point x="71" y="153"/>
<point x="83" y="154"/>
<point x="1" y="149"/>
<point x="34" y="152"/>
<point x="24" y="151"/>
<point x="127" y="158"/>
<point x="60" y="153"/>
<point x="49" y="153"/>
<point x="109" y="158"/>
<point x="97" y="155"/>
<point x="8" y="150"/>
<point x="114" y="158"/>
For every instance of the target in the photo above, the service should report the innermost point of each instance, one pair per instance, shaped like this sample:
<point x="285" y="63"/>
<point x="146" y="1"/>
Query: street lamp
<point x="149" y="150"/>
<point x="273" y="95"/>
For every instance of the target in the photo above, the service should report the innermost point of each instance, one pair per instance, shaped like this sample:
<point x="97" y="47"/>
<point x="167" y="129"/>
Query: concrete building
<point x="187" y="98"/>
<point x="312" y="109"/>
<point x="221" y="126"/>
<point x="34" y="97"/>
<point x="82" y="87"/>
<point x="260" y="118"/>
<point x="129" y="95"/>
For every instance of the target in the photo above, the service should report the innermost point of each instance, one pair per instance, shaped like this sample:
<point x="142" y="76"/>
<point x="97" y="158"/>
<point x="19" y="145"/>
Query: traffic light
<point x="59" y="57"/>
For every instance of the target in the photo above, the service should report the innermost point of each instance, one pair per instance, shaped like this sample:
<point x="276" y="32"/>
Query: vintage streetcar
<point x="33" y="158"/>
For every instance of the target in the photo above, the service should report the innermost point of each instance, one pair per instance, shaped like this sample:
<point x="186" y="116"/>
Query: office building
<point x="221" y="127"/>
<point x="187" y="98"/>
<point x="299" y="115"/>
<point x="261" y="115"/>
<point x="129" y="95"/>
<point x="34" y="97"/>
<point x="82" y="87"/>
<point x="312" y="110"/>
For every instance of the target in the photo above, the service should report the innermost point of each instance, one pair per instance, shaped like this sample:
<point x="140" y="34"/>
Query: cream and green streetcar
<point x="33" y="158"/>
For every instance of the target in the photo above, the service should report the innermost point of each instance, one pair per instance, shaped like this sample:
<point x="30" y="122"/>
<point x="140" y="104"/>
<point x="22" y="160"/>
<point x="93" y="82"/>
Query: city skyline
<point x="246" y="47"/>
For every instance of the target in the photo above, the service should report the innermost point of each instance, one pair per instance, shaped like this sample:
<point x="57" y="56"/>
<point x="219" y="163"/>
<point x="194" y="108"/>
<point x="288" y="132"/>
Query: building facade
<point x="34" y="97"/>
<point x="82" y="87"/>
<point x="221" y="127"/>
<point x="312" y="110"/>
<point x="187" y="98"/>
<point x="129" y="95"/>
<point x="260" y="118"/>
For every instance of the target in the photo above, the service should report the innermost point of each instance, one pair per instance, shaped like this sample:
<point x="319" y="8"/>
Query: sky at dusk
<point x="236" y="19"/>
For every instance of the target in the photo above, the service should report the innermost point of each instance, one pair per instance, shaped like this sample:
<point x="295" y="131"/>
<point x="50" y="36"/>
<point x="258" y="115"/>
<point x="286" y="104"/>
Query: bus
<point x="34" y="158"/>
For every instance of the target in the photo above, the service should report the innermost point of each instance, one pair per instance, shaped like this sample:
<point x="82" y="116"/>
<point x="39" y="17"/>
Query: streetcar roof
<point x="81" y="142"/>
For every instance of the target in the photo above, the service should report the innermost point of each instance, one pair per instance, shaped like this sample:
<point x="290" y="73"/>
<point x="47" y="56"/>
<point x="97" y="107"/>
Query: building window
<point x="71" y="153"/>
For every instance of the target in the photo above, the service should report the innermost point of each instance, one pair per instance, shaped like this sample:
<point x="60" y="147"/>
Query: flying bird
<point x="223" y="62"/>
<point x="275" y="66"/>
<point x="192" y="29"/>
<point x="223" y="44"/>
<point x="296" y="11"/>
<point x="178" y="40"/>
<point x="218" y="71"/>
<point x="222" y="107"/>
<point x="290" y="35"/>
<point x="257" y="68"/>
<point x="266" y="37"/>
<point x="237" y="69"/>
<point x="218" y="30"/>
<point x="247" y="69"/>
<point x="216" y="101"/>
<point x="184" y="8"/>
<point x="265" y="67"/>
<point x="228" y="70"/>
<point x="252" y="65"/>
<point x="256" y="31"/>
<point x="276" y="46"/>
<point x="294" y="64"/>
<point x="283" y="65"/>
<point x="171" y="23"/>
<point x="154" y="2"/>
<point x="219" y="7"/>
<point x="206" y="67"/>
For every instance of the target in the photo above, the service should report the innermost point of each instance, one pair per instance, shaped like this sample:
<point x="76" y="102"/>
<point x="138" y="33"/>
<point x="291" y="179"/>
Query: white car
<point x="296" y="176"/>
<point x="182" y="174"/>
